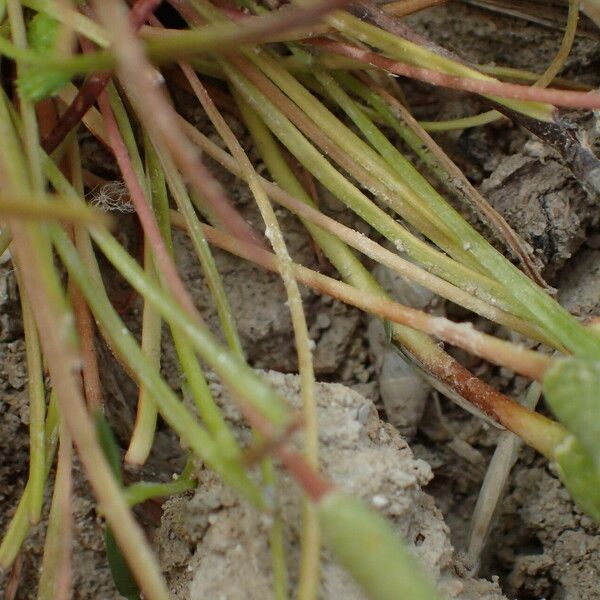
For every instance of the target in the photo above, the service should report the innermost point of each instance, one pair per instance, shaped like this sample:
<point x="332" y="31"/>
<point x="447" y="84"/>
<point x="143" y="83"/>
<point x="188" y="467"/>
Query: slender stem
<point x="501" y="92"/>
<point x="523" y="75"/>
<point x="28" y="207"/>
<point x="353" y="238"/>
<point x="566" y="44"/>
<point x="19" y="524"/>
<point x="141" y="491"/>
<point x="239" y="377"/>
<point x="276" y="534"/>
<point x="86" y="329"/>
<point x="483" y="118"/>
<point x="209" y="267"/>
<point x="17" y="27"/>
<point x="519" y="358"/>
<point x="56" y="575"/>
<point x="451" y="378"/>
<point x="142" y="436"/>
<point x="401" y="8"/>
<point x="37" y="406"/>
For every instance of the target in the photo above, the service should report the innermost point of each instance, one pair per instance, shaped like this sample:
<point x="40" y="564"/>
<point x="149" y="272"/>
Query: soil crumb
<point x="214" y="546"/>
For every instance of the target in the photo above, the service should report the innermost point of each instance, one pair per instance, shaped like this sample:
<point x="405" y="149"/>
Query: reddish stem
<point x="87" y="334"/>
<point x="567" y="98"/>
<point x="143" y="209"/>
<point x="312" y="482"/>
<point x="527" y="424"/>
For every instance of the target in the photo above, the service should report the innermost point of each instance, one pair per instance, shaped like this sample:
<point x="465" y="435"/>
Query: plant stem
<point x="525" y="361"/>
<point x="310" y="539"/>
<point x="84" y="323"/>
<point x="56" y="577"/>
<point x="191" y="369"/>
<point x="33" y="207"/>
<point x="566" y="44"/>
<point x="54" y="321"/>
<point x="37" y="407"/>
<point x="142" y="490"/>
<point x="18" y="527"/>
<point x="209" y="267"/>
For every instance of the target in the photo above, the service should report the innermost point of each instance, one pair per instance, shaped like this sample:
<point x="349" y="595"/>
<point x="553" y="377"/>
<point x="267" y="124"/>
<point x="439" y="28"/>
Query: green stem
<point x="19" y="524"/>
<point x="172" y="410"/>
<point x="142" y="436"/>
<point x="30" y="127"/>
<point x="37" y="408"/>
<point x="192" y="371"/>
<point x="203" y="251"/>
<point x="412" y="53"/>
<point x="485" y="288"/>
<point x="462" y="123"/>
<point x="55" y="577"/>
<point x="141" y="491"/>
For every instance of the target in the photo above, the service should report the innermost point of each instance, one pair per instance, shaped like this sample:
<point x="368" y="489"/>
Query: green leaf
<point x="121" y="574"/>
<point x="572" y="389"/>
<point x="371" y="551"/>
<point x="34" y="82"/>
<point x="109" y="445"/>
<point x="580" y="476"/>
